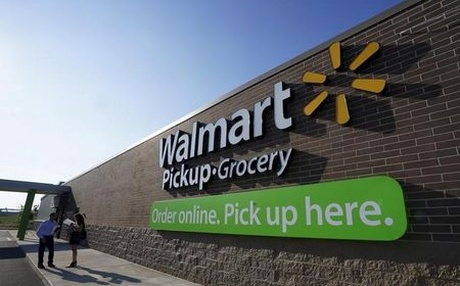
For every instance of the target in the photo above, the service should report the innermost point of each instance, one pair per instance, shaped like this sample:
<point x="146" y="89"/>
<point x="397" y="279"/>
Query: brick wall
<point x="224" y="260"/>
<point x="411" y="132"/>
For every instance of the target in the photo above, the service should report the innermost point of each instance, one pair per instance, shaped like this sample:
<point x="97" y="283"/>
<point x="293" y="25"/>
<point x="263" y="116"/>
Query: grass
<point x="9" y="222"/>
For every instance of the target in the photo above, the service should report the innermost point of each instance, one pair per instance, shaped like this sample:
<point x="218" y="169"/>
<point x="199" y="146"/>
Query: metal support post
<point x="26" y="214"/>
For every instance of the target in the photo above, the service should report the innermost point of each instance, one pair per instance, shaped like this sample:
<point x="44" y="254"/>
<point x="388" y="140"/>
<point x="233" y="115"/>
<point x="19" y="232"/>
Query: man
<point x="45" y="233"/>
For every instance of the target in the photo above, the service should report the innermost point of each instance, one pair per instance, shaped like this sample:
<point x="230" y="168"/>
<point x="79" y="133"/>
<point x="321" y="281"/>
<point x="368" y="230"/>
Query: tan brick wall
<point x="411" y="133"/>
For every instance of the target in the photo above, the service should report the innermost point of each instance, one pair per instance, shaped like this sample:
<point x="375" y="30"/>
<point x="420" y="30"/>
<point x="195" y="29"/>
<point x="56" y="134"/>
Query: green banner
<point x="361" y="209"/>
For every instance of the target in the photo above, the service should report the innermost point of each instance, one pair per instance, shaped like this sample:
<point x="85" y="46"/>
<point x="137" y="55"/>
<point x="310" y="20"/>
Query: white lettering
<point x="245" y="216"/>
<point x="259" y="109"/>
<point x="168" y="149"/>
<point x="281" y="121"/>
<point x="334" y="213"/>
<point x="240" y="130"/>
<point x="210" y="137"/>
<point x="308" y="212"/>
<point x="284" y="159"/>
<point x="286" y="212"/>
<point x="333" y="210"/>
<point x="209" y="132"/>
<point x="369" y="208"/>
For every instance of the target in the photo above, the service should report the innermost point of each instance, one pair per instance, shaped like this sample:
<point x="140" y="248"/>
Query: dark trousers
<point x="47" y="242"/>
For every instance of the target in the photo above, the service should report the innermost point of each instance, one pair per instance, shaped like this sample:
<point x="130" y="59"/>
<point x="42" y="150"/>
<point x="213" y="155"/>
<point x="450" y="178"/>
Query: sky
<point x="81" y="81"/>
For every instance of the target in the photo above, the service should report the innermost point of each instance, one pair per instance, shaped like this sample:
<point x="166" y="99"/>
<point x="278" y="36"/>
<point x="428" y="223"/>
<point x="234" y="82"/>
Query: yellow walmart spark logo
<point x="375" y="86"/>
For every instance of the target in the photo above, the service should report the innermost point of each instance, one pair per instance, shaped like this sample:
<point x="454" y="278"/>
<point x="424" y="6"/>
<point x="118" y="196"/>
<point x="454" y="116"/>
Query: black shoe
<point x="72" y="265"/>
<point x="41" y="266"/>
<point x="51" y="265"/>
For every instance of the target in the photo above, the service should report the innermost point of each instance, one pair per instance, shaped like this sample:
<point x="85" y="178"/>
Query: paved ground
<point x="15" y="268"/>
<point x="96" y="268"/>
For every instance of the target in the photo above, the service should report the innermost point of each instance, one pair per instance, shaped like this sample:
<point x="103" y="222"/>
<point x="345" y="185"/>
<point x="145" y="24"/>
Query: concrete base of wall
<point x="239" y="260"/>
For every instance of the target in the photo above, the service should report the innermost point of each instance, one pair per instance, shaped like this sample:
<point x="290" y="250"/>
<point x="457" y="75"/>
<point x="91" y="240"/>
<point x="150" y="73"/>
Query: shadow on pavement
<point x="74" y="277"/>
<point x="11" y="252"/>
<point x="114" y="277"/>
<point x="85" y="278"/>
<point x="58" y="246"/>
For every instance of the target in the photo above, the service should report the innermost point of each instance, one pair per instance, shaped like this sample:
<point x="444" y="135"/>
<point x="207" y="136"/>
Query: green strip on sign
<point x="361" y="209"/>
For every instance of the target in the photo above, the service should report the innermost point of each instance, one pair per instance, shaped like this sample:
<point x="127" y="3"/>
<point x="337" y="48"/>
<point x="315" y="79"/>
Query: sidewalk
<point x="97" y="268"/>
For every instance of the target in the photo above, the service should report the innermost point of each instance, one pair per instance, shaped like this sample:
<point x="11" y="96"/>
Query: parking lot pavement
<point x="95" y="267"/>
<point x="15" y="268"/>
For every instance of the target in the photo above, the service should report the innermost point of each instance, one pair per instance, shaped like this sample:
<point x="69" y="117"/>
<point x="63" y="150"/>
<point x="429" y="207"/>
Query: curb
<point x="31" y="262"/>
<point x="39" y="273"/>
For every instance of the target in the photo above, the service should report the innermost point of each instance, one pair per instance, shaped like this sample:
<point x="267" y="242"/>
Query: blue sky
<point x="81" y="81"/>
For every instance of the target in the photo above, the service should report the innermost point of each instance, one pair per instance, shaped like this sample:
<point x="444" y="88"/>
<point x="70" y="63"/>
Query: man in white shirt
<point x="45" y="233"/>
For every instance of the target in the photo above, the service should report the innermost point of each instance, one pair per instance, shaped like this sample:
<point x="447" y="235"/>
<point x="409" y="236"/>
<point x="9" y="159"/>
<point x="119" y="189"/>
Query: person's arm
<point x="75" y="227"/>
<point x="56" y="228"/>
<point x="41" y="231"/>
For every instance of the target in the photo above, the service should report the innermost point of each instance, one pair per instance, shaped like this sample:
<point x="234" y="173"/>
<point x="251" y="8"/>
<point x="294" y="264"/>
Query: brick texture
<point x="411" y="133"/>
<point x="220" y="260"/>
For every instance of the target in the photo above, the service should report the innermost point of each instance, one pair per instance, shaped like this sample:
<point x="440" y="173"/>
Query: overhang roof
<point x="39" y="188"/>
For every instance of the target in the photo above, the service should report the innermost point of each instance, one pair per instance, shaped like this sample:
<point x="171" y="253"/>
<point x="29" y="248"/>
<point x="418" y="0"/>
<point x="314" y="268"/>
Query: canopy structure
<point x="31" y="188"/>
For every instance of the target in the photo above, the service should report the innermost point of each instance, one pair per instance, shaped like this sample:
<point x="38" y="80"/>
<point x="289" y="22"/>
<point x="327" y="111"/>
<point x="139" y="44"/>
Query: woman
<point x="77" y="233"/>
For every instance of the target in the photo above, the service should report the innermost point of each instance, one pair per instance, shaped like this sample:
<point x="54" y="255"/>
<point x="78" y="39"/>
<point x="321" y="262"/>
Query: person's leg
<point x="41" y="252"/>
<point x="50" y="245"/>
<point x="74" y="255"/>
